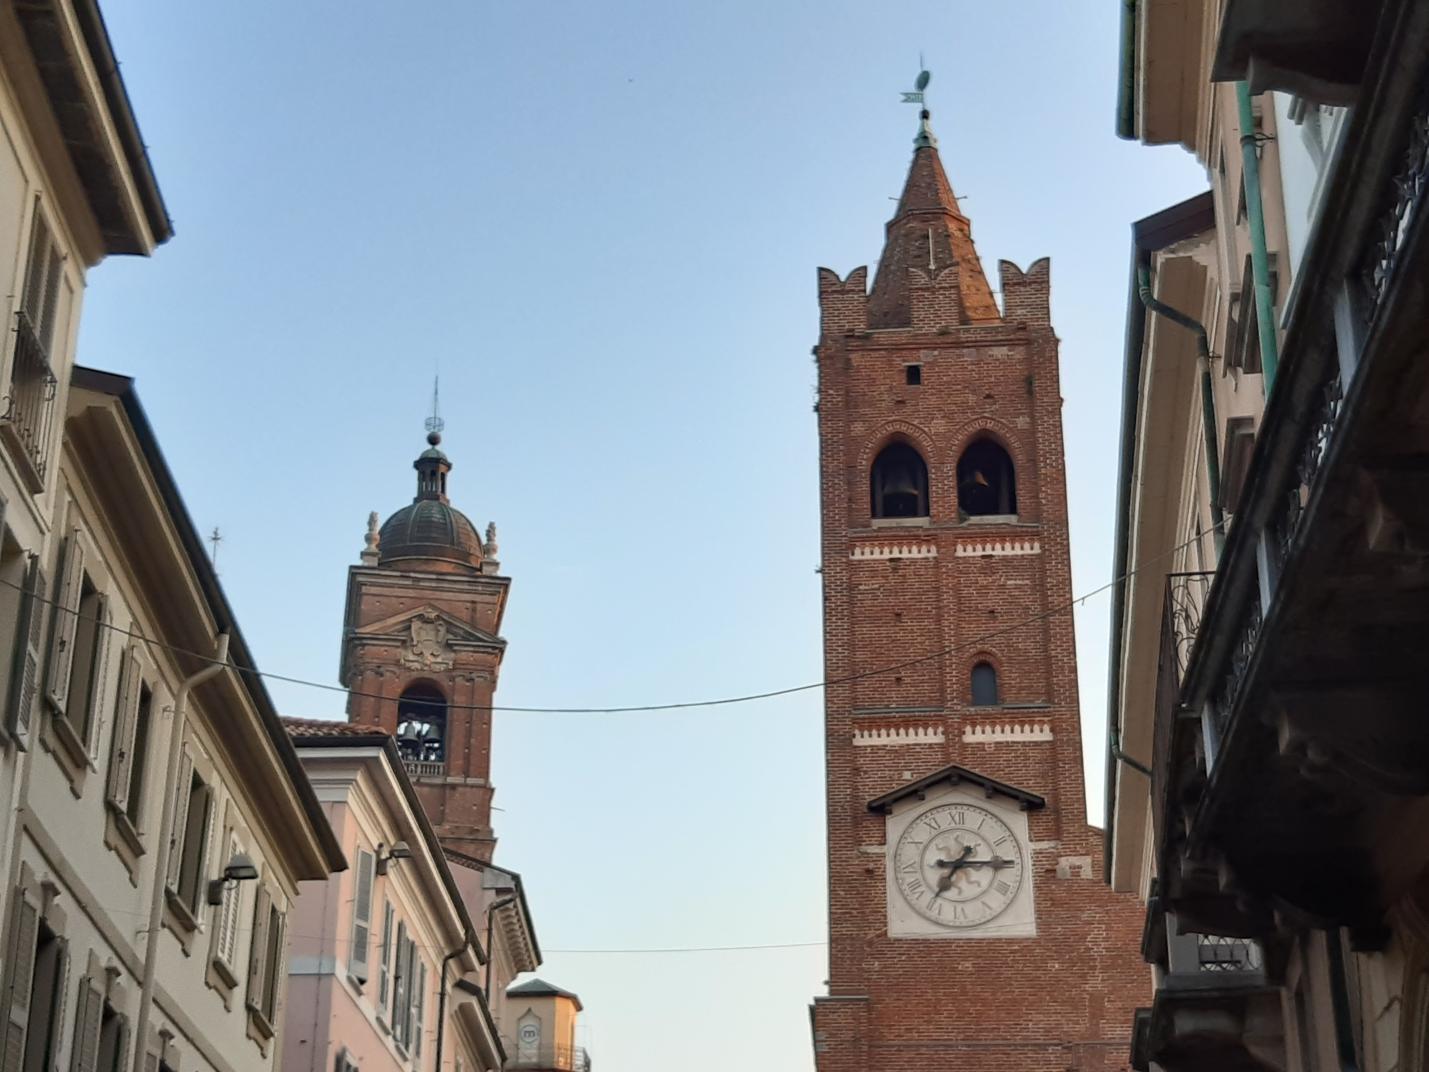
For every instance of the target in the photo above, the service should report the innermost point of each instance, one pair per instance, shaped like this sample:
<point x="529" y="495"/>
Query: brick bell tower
<point x="421" y="650"/>
<point x="969" y="928"/>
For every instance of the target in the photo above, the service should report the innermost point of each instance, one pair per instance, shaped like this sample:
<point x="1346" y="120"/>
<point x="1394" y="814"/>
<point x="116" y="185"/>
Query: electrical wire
<point x="685" y="705"/>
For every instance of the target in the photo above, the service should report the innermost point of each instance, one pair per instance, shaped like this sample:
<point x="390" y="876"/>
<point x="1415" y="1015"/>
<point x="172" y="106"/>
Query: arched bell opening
<point x="422" y="724"/>
<point x="898" y="483"/>
<point x="987" y="483"/>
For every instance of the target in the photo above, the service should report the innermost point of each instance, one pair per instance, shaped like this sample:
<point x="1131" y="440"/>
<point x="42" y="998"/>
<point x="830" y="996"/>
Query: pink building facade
<point x="388" y="972"/>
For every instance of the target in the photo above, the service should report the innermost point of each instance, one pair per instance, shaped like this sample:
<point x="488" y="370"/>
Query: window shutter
<point x="97" y="674"/>
<point x="419" y="1004"/>
<point x="357" y="960"/>
<point x="181" y="820"/>
<point x="384" y="969"/>
<point x="274" y="972"/>
<point x="25" y="667"/>
<point x="84" y="1056"/>
<point x="227" y="938"/>
<point x="24" y="933"/>
<point x="126" y="717"/>
<point x="258" y="951"/>
<point x="151" y="1061"/>
<point x="399" y="987"/>
<point x="66" y="619"/>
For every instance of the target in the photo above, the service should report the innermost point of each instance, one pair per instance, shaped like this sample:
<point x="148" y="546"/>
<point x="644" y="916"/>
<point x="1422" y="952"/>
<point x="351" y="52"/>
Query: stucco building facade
<point x="1265" y="778"/>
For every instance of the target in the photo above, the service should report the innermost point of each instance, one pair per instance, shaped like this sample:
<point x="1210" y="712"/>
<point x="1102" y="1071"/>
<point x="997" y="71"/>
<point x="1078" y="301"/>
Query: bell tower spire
<point x="928" y="238"/>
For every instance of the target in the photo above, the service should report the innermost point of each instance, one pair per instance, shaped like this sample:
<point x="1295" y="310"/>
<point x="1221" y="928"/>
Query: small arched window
<point x="984" y="685"/>
<point x="987" y="485"/>
<point x="422" y="724"/>
<point x="898" y="483"/>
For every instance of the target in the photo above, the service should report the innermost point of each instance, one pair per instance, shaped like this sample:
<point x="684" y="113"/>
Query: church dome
<point x="430" y="529"/>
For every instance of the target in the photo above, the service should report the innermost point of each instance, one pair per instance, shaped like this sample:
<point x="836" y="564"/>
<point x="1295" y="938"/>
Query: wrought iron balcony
<point x="1303" y="686"/>
<point x="558" y="1058"/>
<point x="1214" y="1005"/>
<point x="29" y="402"/>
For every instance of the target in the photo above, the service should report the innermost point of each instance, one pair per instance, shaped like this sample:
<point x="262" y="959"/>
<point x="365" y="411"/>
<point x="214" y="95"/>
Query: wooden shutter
<point x="126" y="718"/>
<point x="24" y="934"/>
<point x="84" y="1055"/>
<point x="151" y="1061"/>
<point x="357" y="959"/>
<point x="226" y="940"/>
<point x="258" y="951"/>
<point x="399" y="986"/>
<point x="98" y="669"/>
<point x="419" y="1005"/>
<point x="181" y="820"/>
<point x="384" y="969"/>
<point x="277" y="966"/>
<point x="25" y="668"/>
<point x="71" y="578"/>
<point x="205" y="831"/>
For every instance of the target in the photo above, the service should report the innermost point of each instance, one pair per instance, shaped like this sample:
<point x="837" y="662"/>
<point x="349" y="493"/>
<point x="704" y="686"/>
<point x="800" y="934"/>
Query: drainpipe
<point x="1259" y="258"/>
<point x="1126" y="86"/>
<point x="1208" y="404"/>
<point x="491" y="911"/>
<point x="468" y="940"/>
<point x="161" y="857"/>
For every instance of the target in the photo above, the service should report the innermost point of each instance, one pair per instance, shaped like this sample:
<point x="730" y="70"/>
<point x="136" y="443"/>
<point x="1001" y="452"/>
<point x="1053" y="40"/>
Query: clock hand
<point x="995" y="862"/>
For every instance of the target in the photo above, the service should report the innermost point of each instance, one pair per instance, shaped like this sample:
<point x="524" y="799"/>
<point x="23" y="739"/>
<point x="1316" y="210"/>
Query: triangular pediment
<point x="951" y="776"/>
<point x="456" y="631"/>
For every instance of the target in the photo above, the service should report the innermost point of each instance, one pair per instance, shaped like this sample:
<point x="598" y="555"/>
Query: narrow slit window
<point x="913" y="375"/>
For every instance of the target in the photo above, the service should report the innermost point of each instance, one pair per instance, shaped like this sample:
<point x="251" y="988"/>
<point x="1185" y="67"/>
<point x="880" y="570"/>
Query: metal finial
<point x="435" y="424"/>
<point x="924" y="138"/>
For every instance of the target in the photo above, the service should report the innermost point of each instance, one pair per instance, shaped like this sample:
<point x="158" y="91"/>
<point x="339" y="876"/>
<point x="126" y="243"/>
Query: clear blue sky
<point x="602" y="221"/>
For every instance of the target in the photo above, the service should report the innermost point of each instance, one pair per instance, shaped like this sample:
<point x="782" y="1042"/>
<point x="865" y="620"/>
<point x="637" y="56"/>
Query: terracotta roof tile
<point x="299" y="728"/>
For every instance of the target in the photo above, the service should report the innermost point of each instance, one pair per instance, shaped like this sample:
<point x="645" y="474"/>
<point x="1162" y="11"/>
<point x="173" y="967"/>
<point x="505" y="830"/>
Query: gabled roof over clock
<point x="955" y="775"/>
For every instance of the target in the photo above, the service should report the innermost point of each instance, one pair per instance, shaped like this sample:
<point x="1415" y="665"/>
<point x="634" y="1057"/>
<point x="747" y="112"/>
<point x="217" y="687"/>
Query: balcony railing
<point x="425" y="768"/>
<point x="29" y="403"/>
<point x="559" y="1058"/>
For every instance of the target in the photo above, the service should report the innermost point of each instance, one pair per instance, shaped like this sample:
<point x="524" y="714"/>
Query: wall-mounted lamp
<point x="399" y="851"/>
<point x="240" y="869"/>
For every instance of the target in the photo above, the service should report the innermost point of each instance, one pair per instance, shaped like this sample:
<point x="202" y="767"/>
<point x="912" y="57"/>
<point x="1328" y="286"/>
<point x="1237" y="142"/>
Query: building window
<point x="113" y="1039"/>
<point x="987" y="485"/>
<point x="30" y="399"/>
<point x="265" y="963"/>
<point x="401" y="985"/>
<point x="129" y="746"/>
<point x="36" y="997"/>
<point x="984" y="685"/>
<point x="898" y="483"/>
<point x="77" y="652"/>
<point x="422" y="726"/>
<point x="384" y="967"/>
<point x="362" y="917"/>
<point x="188" y="845"/>
<point x="913" y="375"/>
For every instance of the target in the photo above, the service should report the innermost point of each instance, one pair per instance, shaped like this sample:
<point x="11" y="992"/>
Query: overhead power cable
<point x="683" y="705"/>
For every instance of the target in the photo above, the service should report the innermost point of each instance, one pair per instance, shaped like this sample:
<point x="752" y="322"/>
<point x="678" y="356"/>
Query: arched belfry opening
<point x="898" y="483"/>
<point x="987" y="484"/>
<point x="422" y="724"/>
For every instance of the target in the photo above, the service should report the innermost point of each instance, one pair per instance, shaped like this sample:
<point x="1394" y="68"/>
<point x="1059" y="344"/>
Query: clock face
<point x="958" y="865"/>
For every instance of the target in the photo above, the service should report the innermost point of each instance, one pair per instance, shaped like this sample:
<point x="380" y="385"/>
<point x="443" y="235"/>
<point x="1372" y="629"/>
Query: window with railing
<point x="30" y="393"/>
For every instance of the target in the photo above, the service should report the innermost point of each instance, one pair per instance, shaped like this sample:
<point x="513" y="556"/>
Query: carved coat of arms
<point x="426" y="646"/>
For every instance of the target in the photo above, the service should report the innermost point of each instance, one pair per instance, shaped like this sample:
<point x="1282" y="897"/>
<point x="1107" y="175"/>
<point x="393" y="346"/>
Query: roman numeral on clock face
<point x="1002" y="887"/>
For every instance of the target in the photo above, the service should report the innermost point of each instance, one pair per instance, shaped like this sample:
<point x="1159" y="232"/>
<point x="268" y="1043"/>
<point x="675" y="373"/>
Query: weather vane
<point x="919" y="84"/>
<point x="435" y="424"/>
